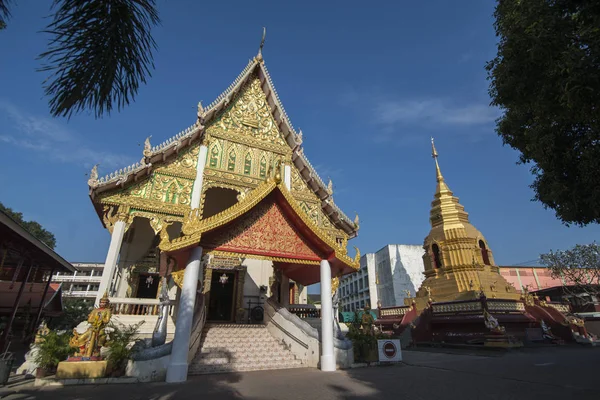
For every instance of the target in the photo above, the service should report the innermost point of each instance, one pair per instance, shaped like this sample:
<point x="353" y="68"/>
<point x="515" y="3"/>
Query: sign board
<point x="389" y="350"/>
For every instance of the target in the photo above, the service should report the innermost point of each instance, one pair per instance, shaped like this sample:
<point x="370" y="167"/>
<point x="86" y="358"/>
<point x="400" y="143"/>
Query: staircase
<point x="236" y="347"/>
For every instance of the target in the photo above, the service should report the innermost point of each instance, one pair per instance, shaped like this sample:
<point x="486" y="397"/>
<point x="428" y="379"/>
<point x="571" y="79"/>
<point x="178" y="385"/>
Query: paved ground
<point x="549" y="373"/>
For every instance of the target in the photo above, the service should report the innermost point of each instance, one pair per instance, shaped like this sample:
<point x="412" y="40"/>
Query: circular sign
<point x="389" y="349"/>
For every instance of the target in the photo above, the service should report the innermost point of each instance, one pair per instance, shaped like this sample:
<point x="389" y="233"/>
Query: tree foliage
<point x="53" y="349"/>
<point x="99" y="53"/>
<point x="75" y="311"/>
<point x="32" y="227"/>
<point x="4" y="13"/>
<point x="579" y="268"/>
<point x="546" y="79"/>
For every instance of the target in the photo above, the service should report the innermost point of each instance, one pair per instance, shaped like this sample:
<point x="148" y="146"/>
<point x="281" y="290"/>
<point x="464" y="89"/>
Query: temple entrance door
<point x="222" y="295"/>
<point x="147" y="286"/>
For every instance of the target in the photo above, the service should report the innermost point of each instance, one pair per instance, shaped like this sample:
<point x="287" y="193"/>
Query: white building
<point x="83" y="283"/>
<point x="385" y="278"/>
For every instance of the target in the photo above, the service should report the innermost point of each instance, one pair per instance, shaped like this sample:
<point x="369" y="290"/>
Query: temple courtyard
<point x="540" y="373"/>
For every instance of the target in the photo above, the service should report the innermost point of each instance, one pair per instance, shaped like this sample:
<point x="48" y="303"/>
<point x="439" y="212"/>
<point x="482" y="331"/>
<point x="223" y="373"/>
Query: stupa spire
<point x="434" y="154"/>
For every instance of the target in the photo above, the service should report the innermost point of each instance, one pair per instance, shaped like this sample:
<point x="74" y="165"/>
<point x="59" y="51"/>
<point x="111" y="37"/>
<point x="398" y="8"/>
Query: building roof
<point x="267" y="215"/>
<point x="22" y="244"/>
<point x="32" y="295"/>
<point x="169" y="148"/>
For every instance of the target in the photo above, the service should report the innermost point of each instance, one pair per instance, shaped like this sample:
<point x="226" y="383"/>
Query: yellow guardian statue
<point x="90" y="342"/>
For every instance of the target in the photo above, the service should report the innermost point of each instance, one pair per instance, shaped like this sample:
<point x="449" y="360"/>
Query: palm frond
<point x="4" y="13"/>
<point x="99" y="53"/>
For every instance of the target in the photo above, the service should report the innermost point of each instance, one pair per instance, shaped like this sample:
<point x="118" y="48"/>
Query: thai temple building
<point x="232" y="217"/>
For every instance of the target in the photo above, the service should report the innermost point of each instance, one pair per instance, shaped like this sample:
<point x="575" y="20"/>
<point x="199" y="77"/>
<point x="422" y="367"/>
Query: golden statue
<point x="90" y="342"/>
<point x="367" y="321"/>
<point x="40" y="334"/>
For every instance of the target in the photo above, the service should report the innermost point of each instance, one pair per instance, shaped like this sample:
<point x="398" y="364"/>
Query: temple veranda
<point x="233" y="216"/>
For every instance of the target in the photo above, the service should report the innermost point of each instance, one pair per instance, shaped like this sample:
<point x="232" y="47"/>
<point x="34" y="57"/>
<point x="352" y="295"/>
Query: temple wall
<point x="407" y="270"/>
<point x="303" y="297"/>
<point x="369" y="259"/>
<point x="258" y="273"/>
<point x="384" y="273"/>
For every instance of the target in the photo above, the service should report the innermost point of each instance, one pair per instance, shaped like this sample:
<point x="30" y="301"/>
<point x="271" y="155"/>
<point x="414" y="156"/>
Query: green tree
<point x="546" y="79"/>
<point x="99" y="53"/>
<point x="579" y="268"/>
<point x="32" y="227"/>
<point x="75" y="311"/>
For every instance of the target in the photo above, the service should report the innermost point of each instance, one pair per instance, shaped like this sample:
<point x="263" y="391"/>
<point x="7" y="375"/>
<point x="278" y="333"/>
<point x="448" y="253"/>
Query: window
<point x="484" y="253"/>
<point x="437" y="259"/>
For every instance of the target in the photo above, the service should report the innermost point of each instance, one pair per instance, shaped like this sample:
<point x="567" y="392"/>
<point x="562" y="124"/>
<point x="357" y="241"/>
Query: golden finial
<point x="259" y="56"/>
<point x="434" y="154"/>
<point x="356" y="220"/>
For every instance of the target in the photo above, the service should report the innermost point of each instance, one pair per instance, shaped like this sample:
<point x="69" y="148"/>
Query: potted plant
<point x="120" y="340"/>
<point x="52" y="350"/>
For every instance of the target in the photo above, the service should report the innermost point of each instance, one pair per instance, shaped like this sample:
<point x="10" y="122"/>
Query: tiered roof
<point x="169" y="148"/>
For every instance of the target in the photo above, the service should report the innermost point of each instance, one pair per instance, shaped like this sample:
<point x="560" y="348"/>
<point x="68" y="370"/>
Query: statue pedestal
<point x="81" y="369"/>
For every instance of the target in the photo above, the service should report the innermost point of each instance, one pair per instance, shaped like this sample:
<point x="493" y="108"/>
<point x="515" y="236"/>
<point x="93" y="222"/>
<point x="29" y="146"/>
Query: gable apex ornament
<point x="259" y="56"/>
<point x="147" y="147"/>
<point x="93" y="181"/>
<point x="200" y="111"/>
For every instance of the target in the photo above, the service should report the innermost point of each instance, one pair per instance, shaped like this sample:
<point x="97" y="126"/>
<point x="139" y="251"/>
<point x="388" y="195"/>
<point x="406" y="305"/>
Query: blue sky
<point x="367" y="82"/>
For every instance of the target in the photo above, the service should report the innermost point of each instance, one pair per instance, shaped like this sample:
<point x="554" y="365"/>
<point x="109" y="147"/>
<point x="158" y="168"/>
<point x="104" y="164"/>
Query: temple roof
<point x="266" y="223"/>
<point x="159" y="154"/>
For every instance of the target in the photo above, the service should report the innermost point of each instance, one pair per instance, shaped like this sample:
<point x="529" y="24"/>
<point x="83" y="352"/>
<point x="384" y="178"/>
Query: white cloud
<point x="45" y="135"/>
<point x="433" y="111"/>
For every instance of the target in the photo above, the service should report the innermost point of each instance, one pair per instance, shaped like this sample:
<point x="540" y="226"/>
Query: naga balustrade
<point x="304" y="310"/>
<point x="135" y="306"/>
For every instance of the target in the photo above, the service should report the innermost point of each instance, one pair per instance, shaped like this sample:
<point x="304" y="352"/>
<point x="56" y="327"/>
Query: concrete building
<point x="83" y="283"/>
<point x="385" y="278"/>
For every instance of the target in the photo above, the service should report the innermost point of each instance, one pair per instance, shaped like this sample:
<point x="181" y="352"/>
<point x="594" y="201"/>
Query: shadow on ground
<point x="547" y="374"/>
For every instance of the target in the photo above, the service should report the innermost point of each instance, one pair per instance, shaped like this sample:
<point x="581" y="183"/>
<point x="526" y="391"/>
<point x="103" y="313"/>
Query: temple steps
<point x="236" y="348"/>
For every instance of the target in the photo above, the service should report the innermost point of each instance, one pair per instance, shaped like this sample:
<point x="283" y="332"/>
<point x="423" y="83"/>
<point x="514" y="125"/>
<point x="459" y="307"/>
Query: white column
<point x="197" y="190"/>
<point x="111" y="258"/>
<point x="178" y="365"/>
<point x="327" y="357"/>
<point x="287" y="176"/>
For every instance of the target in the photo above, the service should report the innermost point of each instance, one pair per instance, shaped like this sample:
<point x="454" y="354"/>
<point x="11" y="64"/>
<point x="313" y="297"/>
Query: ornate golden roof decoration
<point x="194" y="226"/>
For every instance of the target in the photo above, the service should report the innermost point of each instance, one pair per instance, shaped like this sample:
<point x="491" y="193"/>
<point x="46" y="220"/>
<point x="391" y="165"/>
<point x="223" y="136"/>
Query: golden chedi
<point x="458" y="261"/>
